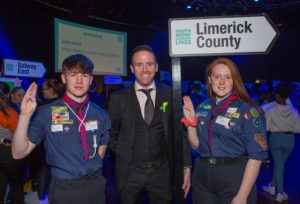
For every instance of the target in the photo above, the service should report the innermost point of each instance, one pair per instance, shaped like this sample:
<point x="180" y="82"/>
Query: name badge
<point x="56" y="128"/>
<point x="231" y="110"/>
<point x="91" y="125"/>
<point x="223" y="121"/>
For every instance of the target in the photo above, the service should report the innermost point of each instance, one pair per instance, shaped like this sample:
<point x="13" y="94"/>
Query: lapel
<point x="132" y="105"/>
<point x="160" y="98"/>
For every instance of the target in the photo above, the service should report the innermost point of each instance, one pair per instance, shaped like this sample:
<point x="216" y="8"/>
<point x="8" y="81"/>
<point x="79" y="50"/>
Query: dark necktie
<point x="149" y="106"/>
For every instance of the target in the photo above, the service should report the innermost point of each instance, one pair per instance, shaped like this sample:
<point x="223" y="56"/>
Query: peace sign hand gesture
<point x="188" y="108"/>
<point x="28" y="104"/>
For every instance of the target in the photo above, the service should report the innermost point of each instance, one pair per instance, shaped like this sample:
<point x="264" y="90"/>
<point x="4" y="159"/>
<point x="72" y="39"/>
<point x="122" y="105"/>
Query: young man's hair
<point x="142" y="48"/>
<point x="79" y="63"/>
<point x="284" y="89"/>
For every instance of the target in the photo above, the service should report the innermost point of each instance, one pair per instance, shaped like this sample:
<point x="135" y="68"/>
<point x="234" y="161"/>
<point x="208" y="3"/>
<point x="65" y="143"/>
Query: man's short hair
<point x="79" y="63"/>
<point x="142" y="48"/>
<point x="284" y="89"/>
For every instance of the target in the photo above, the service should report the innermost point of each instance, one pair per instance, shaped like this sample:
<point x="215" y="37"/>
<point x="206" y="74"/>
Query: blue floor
<point x="292" y="182"/>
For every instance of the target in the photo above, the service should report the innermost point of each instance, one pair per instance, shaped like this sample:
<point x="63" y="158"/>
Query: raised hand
<point x="188" y="108"/>
<point x="28" y="104"/>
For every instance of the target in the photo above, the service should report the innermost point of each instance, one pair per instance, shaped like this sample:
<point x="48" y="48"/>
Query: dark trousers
<point x="11" y="171"/>
<point x="39" y="170"/>
<point x="88" y="190"/>
<point x="155" y="182"/>
<point x="219" y="183"/>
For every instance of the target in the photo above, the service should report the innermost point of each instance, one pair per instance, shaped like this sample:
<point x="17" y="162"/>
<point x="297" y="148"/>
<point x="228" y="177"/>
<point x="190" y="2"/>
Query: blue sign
<point x="23" y="68"/>
<point x="113" y="80"/>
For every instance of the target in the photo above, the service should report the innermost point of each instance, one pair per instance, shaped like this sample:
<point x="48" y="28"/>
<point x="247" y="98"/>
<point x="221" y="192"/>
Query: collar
<point x="75" y="105"/>
<point x="137" y="86"/>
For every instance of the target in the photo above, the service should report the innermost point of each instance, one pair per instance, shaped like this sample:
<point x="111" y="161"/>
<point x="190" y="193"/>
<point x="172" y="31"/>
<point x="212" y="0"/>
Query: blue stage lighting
<point x="189" y="7"/>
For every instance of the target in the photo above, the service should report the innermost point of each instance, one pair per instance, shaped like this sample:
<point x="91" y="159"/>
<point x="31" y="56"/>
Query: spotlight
<point x="188" y="7"/>
<point x="257" y="81"/>
<point x="256" y="0"/>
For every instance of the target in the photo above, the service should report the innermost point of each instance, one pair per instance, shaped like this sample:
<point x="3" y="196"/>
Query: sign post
<point x="221" y="35"/>
<point x="211" y="36"/>
<point x="23" y="68"/>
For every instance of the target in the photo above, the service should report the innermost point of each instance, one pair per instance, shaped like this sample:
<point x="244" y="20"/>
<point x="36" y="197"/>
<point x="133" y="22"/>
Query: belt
<point x="83" y="178"/>
<point x="223" y="160"/>
<point x="284" y="132"/>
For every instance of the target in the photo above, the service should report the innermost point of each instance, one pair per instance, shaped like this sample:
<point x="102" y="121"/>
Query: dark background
<point x="27" y="30"/>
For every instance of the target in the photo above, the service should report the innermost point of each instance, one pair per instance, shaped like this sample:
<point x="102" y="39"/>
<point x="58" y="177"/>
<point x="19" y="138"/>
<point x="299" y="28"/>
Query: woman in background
<point x="10" y="169"/>
<point x="283" y="121"/>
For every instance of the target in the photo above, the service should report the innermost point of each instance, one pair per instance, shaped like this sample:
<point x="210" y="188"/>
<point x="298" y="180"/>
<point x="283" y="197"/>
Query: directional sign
<point x="221" y="35"/>
<point x="23" y="68"/>
<point x="11" y="82"/>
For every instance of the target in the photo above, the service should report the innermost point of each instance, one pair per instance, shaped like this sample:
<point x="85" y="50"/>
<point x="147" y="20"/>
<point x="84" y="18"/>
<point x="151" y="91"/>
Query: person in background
<point x="17" y="95"/>
<point x="75" y="132"/>
<point x="52" y="89"/>
<point x="228" y="130"/>
<point x="283" y="121"/>
<point x="141" y="134"/>
<point x="10" y="169"/>
<point x="94" y="96"/>
<point x="196" y="94"/>
<point x="6" y="90"/>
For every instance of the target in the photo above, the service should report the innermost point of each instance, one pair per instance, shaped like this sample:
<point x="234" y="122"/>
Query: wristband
<point x="188" y="123"/>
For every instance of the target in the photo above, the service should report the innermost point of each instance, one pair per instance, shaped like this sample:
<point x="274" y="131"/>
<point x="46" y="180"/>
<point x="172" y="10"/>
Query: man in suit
<point x="141" y="134"/>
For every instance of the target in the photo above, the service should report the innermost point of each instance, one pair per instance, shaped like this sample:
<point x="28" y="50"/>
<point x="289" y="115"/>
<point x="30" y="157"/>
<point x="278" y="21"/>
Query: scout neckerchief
<point x="216" y="113"/>
<point x="79" y="108"/>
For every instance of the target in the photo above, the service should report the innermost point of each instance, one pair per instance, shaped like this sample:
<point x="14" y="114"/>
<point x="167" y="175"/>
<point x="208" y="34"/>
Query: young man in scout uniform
<point x="75" y="131"/>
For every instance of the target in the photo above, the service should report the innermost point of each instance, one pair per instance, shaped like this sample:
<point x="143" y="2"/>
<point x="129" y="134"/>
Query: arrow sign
<point x="23" y="68"/>
<point x="221" y="35"/>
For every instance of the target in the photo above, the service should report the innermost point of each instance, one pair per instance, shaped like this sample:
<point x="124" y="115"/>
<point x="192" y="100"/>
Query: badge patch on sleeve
<point x="254" y="112"/>
<point x="260" y="139"/>
<point x="203" y="113"/>
<point x="256" y="122"/>
<point x="207" y="106"/>
<point x="234" y="115"/>
<point x="247" y="115"/>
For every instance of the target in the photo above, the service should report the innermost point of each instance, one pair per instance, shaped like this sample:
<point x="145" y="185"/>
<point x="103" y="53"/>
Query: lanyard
<point x="214" y="113"/>
<point x="81" y="120"/>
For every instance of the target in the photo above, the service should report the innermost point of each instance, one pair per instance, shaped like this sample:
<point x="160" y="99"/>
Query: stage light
<point x="256" y="0"/>
<point x="189" y="7"/>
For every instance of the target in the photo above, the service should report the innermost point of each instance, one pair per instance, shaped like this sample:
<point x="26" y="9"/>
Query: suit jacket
<point x="121" y="110"/>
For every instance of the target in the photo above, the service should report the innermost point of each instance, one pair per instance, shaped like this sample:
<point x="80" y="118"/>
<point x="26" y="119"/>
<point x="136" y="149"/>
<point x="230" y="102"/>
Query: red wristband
<point x="188" y="123"/>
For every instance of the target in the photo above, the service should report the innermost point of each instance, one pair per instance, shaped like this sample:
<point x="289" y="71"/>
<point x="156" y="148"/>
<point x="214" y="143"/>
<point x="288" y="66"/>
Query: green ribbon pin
<point x="164" y="106"/>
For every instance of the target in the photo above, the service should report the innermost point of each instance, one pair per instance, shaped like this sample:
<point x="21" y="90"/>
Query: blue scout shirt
<point x="58" y="126"/>
<point x="238" y="130"/>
